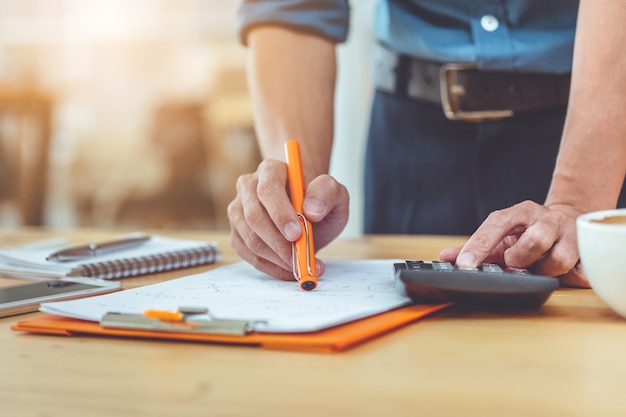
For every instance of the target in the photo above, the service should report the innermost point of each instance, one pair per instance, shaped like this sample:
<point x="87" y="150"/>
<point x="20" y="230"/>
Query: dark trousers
<point x="425" y="174"/>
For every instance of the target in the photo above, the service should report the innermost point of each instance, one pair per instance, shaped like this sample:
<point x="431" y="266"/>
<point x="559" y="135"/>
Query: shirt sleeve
<point x="326" y="18"/>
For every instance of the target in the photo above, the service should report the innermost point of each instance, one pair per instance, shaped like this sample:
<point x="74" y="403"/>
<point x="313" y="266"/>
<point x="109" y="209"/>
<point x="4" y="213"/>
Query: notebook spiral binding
<point x="129" y="267"/>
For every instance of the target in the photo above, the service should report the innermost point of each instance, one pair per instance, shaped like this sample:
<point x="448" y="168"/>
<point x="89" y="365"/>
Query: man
<point x="424" y="172"/>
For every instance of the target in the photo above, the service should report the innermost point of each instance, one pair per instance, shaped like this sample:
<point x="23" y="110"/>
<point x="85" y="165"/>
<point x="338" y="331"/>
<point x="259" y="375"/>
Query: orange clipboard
<point x="332" y="340"/>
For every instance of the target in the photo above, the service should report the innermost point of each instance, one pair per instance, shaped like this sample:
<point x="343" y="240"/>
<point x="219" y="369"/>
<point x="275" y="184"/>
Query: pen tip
<point x="308" y="285"/>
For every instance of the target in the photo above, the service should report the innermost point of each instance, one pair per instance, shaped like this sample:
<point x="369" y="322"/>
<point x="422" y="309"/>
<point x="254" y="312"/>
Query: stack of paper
<point x="349" y="290"/>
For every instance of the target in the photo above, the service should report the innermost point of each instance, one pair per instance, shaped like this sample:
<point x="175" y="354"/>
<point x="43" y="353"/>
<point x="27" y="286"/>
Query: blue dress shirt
<point x="522" y="35"/>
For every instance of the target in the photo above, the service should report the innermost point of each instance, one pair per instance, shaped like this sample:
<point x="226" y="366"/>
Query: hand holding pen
<point x="264" y="223"/>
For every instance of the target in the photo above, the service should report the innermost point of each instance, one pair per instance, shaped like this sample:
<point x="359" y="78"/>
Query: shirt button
<point x="489" y="22"/>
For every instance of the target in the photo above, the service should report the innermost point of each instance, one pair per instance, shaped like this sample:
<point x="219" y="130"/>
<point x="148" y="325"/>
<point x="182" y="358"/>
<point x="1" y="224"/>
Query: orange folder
<point x="331" y="340"/>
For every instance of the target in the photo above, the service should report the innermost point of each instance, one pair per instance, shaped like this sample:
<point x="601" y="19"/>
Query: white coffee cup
<point x="602" y="247"/>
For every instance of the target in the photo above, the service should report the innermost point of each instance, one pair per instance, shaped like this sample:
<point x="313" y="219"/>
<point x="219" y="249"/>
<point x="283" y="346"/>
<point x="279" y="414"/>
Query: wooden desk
<point x="568" y="359"/>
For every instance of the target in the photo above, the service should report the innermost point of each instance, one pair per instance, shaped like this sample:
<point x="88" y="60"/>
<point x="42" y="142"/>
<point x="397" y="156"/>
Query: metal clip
<point x="294" y="258"/>
<point x="211" y="326"/>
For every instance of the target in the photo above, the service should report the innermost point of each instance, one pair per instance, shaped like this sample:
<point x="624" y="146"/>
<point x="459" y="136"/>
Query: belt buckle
<point x="452" y="90"/>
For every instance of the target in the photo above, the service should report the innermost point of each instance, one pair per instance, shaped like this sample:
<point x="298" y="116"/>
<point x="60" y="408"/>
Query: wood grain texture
<point x="566" y="359"/>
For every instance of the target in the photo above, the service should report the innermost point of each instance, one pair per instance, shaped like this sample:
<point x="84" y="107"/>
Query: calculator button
<point x="467" y="269"/>
<point x="518" y="271"/>
<point x="491" y="268"/>
<point x="419" y="265"/>
<point x="442" y="266"/>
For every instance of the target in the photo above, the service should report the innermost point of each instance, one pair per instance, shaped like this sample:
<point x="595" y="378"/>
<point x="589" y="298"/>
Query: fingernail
<point x="314" y="206"/>
<point x="292" y="231"/>
<point x="319" y="267"/>
<point x="466" y="259"/>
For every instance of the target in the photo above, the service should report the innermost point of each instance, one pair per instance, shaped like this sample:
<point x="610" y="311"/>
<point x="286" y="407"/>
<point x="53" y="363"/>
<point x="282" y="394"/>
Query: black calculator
<point x="487" y="286"/>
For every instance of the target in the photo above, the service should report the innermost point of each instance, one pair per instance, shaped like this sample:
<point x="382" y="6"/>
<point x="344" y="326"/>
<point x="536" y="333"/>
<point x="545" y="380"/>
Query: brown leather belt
<point x="464" y="91"/>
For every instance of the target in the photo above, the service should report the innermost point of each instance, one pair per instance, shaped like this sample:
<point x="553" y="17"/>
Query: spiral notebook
<point x="158" y="254"/>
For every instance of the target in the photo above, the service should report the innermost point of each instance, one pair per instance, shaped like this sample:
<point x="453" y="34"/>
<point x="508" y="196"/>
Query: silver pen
<point x="89" y="250"/>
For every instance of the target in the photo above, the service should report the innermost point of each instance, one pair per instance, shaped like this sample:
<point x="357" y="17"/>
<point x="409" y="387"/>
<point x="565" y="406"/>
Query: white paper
<point x="348" y="290"/>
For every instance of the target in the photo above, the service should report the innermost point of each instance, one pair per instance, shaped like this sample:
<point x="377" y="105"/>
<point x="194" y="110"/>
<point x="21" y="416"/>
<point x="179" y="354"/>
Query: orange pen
<point x="303" y="250"/>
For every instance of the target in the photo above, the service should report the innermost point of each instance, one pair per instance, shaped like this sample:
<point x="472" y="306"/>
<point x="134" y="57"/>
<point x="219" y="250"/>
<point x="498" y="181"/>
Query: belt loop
<point x="403" y="75"/>
<point x="385" y="63"/>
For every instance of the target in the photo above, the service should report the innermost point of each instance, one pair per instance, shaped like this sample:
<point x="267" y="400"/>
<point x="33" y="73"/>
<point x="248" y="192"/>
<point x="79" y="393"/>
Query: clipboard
<point x="332" y="340"/>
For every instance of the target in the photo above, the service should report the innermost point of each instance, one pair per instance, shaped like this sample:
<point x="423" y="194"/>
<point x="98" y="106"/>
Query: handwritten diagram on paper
<point x="349" y="290"/>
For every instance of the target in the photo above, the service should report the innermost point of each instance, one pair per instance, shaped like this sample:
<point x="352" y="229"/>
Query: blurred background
<point x="135" y="113"/>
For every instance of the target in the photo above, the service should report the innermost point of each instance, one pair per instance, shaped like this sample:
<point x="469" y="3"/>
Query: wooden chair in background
<point x="25" y="132"/>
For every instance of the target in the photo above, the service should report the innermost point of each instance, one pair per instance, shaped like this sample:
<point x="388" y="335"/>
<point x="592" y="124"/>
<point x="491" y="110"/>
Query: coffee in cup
<point x="611" y="219"/>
